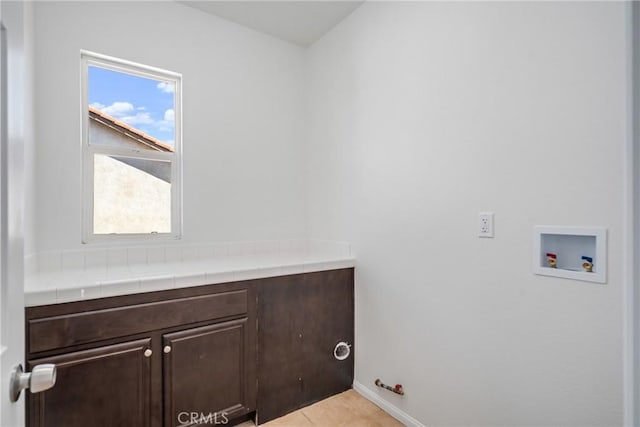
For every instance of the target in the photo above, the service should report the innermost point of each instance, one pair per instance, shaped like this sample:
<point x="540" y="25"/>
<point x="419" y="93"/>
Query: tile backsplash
<point x="108" y="262"/>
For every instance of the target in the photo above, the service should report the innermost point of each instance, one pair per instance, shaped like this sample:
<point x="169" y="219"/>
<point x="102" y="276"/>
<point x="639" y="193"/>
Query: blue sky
<point x="145" y="104"/>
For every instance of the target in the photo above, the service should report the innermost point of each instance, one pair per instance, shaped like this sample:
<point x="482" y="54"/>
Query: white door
<point x="12" y="122"/>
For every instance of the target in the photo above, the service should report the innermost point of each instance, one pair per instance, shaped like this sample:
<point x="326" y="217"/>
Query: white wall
<point x="422" y="114"/>
<point x="243" y="118"/>
<point x="632" y="361"/>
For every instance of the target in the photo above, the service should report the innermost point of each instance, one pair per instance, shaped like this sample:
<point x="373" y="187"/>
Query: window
<point x="131" y="144"/>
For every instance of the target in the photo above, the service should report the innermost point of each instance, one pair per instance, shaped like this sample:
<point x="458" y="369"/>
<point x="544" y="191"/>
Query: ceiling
<point x="301" y="22"/>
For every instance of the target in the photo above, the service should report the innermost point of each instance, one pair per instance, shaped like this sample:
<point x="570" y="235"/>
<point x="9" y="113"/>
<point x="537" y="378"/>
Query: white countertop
<point x="59" y="277"/>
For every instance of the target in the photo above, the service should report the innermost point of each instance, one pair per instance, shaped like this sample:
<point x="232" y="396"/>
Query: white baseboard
<point x="390" y="409"/>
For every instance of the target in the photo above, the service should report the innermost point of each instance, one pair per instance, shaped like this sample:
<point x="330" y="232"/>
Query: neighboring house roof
<point x="130" y="131"/>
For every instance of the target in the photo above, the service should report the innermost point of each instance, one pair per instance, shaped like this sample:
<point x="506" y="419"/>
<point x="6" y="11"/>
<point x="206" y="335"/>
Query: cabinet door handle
<point x="167" y="349"/>
<point x="148" y="352"/>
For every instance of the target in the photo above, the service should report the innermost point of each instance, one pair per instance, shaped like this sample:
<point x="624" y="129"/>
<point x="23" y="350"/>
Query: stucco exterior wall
<point x="129" y="200"/>
<point x="130" y="195"/>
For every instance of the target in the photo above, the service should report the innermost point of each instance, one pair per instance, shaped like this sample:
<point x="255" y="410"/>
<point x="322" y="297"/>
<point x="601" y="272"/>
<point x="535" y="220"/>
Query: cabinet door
<point x="106" y="386"/>
<point x="328" y="318"/>
<point x="300" y="320"/>
<point x="280" y="338"/>
<point x="209" y="373"/>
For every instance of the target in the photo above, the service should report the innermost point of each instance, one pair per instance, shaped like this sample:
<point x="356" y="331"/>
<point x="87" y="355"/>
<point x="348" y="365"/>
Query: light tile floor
<point x="342" y="410"/>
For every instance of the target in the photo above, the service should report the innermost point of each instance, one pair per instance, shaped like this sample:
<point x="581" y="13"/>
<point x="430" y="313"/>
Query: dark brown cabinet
<point x="301" y="318"/>
<point x="193" y="356"/>
<point x="208" y="372"/>
<point x="158" y="359"/>
<point x="114" y="378"/>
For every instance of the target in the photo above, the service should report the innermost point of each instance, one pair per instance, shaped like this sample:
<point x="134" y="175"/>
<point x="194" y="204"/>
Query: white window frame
<point x="88" y="151"/>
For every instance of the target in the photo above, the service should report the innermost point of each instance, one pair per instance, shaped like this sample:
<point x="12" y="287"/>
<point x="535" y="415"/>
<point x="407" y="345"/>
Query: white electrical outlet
<point x="485" y="224"/>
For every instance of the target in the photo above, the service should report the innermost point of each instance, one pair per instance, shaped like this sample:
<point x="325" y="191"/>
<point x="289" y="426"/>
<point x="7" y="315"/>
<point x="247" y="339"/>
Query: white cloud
<point x="166" y="87"/>
<point x="118" y="109"/>
<point x="169" y="115"/>
<point x="141" y="118"/>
